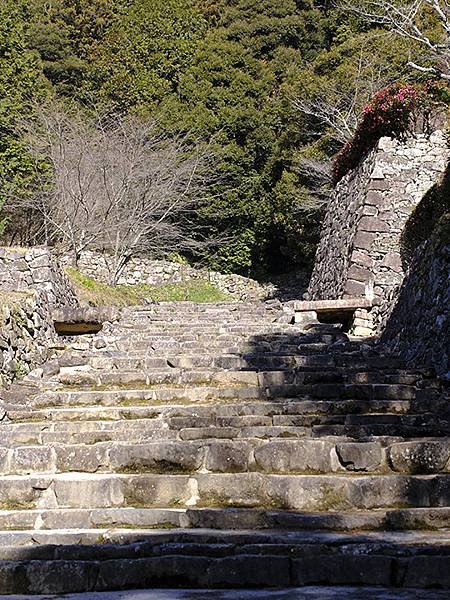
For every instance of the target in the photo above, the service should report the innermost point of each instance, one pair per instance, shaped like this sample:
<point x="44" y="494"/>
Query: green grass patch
<point x="100" y="294"/>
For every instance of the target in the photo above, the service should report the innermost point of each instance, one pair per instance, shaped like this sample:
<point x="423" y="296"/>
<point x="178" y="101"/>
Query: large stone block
<point x="250" y="571"/>
<point x="33" y="459"/>
<point x="13" y="578"/>
<point x="157" y="457"/>
<point x="360" y="456"/>
<point x="155" y="491"/>
<point x="427" y="572"/>
<point x="419" y="457"/>
<point x="226" y="457"/>
<point x="291" y="456"/>
<point x="343" y="570"/>
<point x="60" y="577"/>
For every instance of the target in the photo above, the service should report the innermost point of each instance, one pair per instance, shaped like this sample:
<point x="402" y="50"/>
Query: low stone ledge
<point x="328" y="306"/>
<point x="90" y="314"/>
<point x="83" y="321"/>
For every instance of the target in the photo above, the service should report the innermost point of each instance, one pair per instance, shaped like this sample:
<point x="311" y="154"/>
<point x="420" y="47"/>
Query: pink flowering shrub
<point x="392" y="112"/>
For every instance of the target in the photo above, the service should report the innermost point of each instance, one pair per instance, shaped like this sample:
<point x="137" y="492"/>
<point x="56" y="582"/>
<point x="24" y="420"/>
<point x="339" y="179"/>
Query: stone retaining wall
<point x="22" y="269"/>
<point x="419" y="327"/>
<point x="140" y="270"/>
<point x="26" y="333"/>
<point x="359" y="252"/>
<point x="31" y="285"/>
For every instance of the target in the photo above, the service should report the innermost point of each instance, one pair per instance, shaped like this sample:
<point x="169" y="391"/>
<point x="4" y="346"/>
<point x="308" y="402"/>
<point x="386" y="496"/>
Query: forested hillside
<point x="273" y="88"/>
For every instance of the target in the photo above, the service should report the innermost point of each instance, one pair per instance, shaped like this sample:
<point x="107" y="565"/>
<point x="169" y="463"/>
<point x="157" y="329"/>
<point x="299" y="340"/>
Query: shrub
<point x="392" y="112"/>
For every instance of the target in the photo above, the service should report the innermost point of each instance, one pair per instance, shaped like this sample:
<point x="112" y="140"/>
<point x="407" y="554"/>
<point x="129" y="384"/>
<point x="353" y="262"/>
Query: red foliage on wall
<point x="392" y="112"/>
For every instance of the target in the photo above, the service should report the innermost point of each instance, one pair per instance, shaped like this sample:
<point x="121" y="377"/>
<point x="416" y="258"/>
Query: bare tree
<point x="116" y="185"/>
<point x="318" y="174"/>
<point x="337" y="106"/>
<point x="404" y="19"/>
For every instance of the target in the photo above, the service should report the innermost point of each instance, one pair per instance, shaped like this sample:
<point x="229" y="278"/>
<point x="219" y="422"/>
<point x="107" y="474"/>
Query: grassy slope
<point x="100" y="294"/>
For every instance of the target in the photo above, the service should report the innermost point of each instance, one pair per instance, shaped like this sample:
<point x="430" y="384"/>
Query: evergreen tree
<point x="21" y="83"/>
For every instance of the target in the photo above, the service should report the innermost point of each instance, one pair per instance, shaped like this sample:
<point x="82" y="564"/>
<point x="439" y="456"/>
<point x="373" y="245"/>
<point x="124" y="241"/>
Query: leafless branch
<point x="117" y="185"/>
<point x="337" y="108"/>
<point x="404" y="20"/>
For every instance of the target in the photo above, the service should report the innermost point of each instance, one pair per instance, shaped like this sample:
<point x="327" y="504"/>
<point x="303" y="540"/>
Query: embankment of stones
<point x="360" y="249"/>
<point x="31" y="286"/>
<point x="26" y="333"/>
<point x="142" y="270"/>
<point x="360" y="252"/>
<point x="22" y="269"/>
<point x="419" y="327"/>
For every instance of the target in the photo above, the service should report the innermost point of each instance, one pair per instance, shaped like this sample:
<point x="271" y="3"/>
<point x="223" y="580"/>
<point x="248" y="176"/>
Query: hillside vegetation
<point x="273" y="89"/>
<point x="100" y="294"/>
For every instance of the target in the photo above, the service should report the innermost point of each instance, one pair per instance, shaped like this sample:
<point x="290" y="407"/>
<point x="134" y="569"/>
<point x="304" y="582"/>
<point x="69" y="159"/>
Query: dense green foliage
<point x="222" y="70"/>
<point x="21" y="81"/>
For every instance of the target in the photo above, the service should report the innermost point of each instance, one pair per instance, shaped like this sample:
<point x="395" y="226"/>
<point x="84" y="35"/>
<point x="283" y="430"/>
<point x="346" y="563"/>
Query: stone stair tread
<point x="232" y="519"/>
<point x="120" y="541"/>
<point x="288" y="406"/>
<point x="213" y="445"/>
<point x="297" y="492"/>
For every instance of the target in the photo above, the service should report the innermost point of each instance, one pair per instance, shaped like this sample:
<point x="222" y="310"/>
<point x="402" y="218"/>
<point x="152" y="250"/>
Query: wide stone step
<point x="245" y="427"/>
<point x="212" y="559"/>
<point x="149" y="396"/>
<point x="214" y="347"/>
<point x="180" y="421"/>
<point x="233" y="362"/>
<point x="297" y="492"/>
<point x="145" y="408"/>
<point x="287" y="383"/>
<point x="408" y="519"/>
<point x="193" y="420"/>
<point x="79" y="377"/>
<point x="221" y="456"/>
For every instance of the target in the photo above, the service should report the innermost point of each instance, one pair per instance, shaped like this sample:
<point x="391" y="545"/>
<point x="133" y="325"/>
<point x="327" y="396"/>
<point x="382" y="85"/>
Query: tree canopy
<point x="275" y="87"/>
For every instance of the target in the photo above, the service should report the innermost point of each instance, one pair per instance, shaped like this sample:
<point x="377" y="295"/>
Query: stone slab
<point x="90" y="314"/>
<point x="342" y="304"/>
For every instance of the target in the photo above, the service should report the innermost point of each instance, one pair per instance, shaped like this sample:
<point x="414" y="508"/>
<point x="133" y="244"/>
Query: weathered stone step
<point x="273" y="456"/>
<point x="177" y="394"/>
<point x="193" y="421"/>
<point x="212" y="347"/>
<point x="285" y="383"/>
<point x="145" y="430"/>
<point x="79" y="377"/>
<point x="212" y="559"/>
<point x="149" y="395"/>
<point x="283" y="407"/>
<point x="298" y="492"/>
<point x="233" y="362"/>
<point x="103" y="543"/>
<point x="408" y="519"/>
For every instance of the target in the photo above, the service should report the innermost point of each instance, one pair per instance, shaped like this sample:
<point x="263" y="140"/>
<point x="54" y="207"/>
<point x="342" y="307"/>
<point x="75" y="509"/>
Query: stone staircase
<point x="221" y="446"/>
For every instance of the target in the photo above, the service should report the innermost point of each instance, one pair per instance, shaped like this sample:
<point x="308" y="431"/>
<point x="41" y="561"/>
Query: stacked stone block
<point x="22" y="269"/>
<point x="360" y="249"/>
<point x="31" y="285"/>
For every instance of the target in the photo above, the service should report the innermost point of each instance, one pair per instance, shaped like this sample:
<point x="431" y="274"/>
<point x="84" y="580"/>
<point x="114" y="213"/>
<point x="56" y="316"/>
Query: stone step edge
<point x="233" y="519"/>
